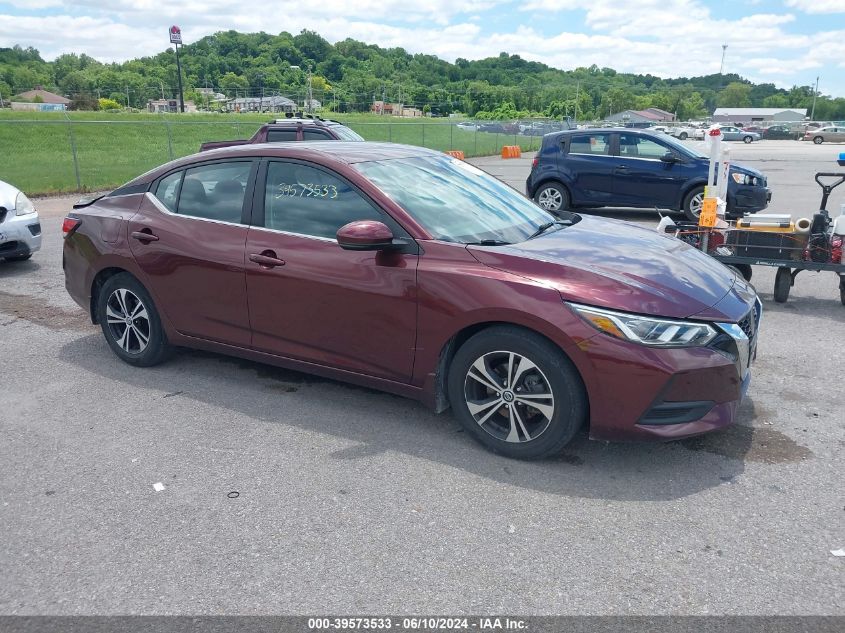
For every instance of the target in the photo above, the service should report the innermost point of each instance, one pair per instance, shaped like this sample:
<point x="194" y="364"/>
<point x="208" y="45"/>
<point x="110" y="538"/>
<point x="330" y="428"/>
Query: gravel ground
<point x="352" y="501"/>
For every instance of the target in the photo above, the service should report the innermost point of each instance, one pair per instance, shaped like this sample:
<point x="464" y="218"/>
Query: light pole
<point x="815" y="93"/>
<point x="722" y="65"/>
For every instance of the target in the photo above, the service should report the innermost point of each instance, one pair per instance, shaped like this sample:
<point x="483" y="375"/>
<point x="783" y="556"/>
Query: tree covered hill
<point x="349" y="75"/>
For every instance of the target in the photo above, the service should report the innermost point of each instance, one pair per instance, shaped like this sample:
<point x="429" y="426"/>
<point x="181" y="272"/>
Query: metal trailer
<point x="789" y="260"/>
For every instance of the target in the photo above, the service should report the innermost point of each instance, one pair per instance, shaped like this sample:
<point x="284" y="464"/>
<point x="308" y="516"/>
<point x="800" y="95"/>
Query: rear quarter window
<point x="281" y="136"/>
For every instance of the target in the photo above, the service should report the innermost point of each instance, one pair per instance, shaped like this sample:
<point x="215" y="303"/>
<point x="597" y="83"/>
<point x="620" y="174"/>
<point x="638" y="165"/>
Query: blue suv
<point x="633" y="168"/>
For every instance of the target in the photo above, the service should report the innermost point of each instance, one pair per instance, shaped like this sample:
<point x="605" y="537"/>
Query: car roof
<point x="306" y="121"/>
<point x="348" y="152"/>
<point x="626" y="130"/>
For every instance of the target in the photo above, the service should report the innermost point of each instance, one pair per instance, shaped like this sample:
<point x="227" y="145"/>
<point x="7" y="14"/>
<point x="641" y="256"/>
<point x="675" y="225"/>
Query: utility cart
<point x="815" y="244"/>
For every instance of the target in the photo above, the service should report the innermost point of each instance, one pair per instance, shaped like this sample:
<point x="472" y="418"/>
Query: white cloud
<point x="818" y="6"/>
<point x="667" y="38"/>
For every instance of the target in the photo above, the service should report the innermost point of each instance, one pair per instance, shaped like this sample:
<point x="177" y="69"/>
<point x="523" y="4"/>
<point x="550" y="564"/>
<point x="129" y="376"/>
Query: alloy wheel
<point x="128" y="321"/>
<point x="696" y="203"/>
<point x="509" y="396"/>
<point x="550" y="199"/>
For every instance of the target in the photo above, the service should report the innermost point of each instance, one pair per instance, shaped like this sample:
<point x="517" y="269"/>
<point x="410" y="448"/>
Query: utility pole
<point x="577" y="88"/>
<point x="722" y="65"/>
<point x="127" y="97"/>
<point x="310" y="91"/>
<point x="815" y="93"/>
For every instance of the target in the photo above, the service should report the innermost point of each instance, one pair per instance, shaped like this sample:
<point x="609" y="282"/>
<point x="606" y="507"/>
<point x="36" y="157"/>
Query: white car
<point x="683" y="132"/>
<point x="20" y="230"/>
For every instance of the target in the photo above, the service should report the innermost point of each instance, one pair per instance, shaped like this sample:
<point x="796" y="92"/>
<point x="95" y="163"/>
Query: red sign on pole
<point x="715" y="132"/>
<point x="175" y="35"/>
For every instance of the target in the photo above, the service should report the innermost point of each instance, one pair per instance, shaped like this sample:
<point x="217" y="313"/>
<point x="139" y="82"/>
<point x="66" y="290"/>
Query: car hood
<point x="742" y="169"/>
<point x="618" y="265"/>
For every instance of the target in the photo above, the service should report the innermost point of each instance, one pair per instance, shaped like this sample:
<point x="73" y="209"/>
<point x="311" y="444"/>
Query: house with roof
<point x="39" y="99"/>
<point x="649" y="115"/>
<point x="745" y="116"/>
<point x="274" y="103"/>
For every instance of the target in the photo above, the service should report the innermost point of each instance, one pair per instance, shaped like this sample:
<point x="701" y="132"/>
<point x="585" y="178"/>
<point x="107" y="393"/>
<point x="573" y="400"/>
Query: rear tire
<point x="516" y="393"/>
<point x="692" y="204"/>
<point x="842" y="290"/>
<point x="130" y="322"/>
<point x="783" y="284"/>
<point x="747" y="139"/>
<point x="818" y="140"/>
<point x="552" y="197"/>
<point x="683" y="136"/>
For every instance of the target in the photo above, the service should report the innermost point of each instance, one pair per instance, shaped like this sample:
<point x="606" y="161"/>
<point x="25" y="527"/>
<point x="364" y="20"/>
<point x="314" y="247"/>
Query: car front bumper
<point x="19" y="235"/>
<point x="748" y="199"/>
<point x="641" y="393"/>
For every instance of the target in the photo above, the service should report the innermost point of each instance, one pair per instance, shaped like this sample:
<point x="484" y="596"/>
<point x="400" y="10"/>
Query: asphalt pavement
<point x="285" y="493"/>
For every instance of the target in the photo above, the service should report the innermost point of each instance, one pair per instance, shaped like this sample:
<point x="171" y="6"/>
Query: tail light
<point x="69" y="225"/>
<point x="534" y="162"/>
<point x="836" y="249"/>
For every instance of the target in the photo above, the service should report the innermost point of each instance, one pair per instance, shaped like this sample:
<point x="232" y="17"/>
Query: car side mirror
<point x="366" y="235"/>
<point x="669" y="157"/>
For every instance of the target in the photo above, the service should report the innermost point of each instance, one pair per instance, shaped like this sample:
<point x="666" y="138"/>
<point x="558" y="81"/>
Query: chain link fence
<point x="67" y="155"/>
<point x="77" y="155"/>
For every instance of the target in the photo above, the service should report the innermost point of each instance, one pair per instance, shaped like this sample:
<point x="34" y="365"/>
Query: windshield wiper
<point x="545" y="227"/>
<point x="489" y="243"/>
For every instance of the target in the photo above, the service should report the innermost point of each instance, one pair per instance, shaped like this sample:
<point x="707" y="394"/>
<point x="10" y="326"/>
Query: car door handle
<point x="621" y="167"/>
<point x="267" y="259"/>
<point x="144" y="236"/>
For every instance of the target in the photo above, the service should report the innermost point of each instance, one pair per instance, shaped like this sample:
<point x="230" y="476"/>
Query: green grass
<point x="111" y="148"/>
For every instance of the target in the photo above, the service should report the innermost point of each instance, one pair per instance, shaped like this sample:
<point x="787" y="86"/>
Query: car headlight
<point x="652" y="331"/>
<point x="744" y="179"/>
<point x="23" y="205"/>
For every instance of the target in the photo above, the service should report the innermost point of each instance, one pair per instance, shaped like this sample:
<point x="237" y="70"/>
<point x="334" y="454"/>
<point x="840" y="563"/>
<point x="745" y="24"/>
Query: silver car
<point x="831" y="134"/>
<point x="20" y="230"/>
<point x="733" y="133"/>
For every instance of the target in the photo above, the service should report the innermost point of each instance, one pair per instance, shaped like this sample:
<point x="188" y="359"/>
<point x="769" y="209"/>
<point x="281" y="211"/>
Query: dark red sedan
<point x="406" y="270"/>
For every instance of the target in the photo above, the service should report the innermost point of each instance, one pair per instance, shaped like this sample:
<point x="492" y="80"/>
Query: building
<point x="395" y="109"/>
<point x="169" y="105"/>
<point x="745" y="116"/>
<point x="649" y="115"/>
<point x="39" y="99"/>
<point x="314" y="107"/>
<point x="261" y="104"/>
<point x="38" y="107"/>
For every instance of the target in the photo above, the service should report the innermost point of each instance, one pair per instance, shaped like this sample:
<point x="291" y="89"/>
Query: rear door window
<point x="598" y="144"/>
<point x="215" y="192"/>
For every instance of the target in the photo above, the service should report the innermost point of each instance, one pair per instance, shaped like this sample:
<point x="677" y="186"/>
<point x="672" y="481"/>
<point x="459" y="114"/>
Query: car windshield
<point x="682" y="147"/>
<point x="455" y="201"/>
<point x="346" y="134"/>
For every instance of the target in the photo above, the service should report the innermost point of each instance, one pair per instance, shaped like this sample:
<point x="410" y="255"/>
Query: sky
<point x="785" y="42"/>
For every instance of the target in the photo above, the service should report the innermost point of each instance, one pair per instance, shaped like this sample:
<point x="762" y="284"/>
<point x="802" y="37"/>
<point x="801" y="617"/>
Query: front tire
<point x="683" y="136"/>
<point x="693" y="202"/>
<point x="19" y="258"/>
<point x="130" y="322"/>
<point x="552" y="197"/>
<point x="818" y="140"/>
<point x="516" y="393"/>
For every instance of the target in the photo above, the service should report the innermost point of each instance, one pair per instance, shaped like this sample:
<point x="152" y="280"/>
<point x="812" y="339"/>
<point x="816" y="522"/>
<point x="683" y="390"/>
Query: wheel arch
<point x="450" y="348"/>
<point x="555" y="179"/>
<point x="97" y="284"/>
<point x="685" y="190"/>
